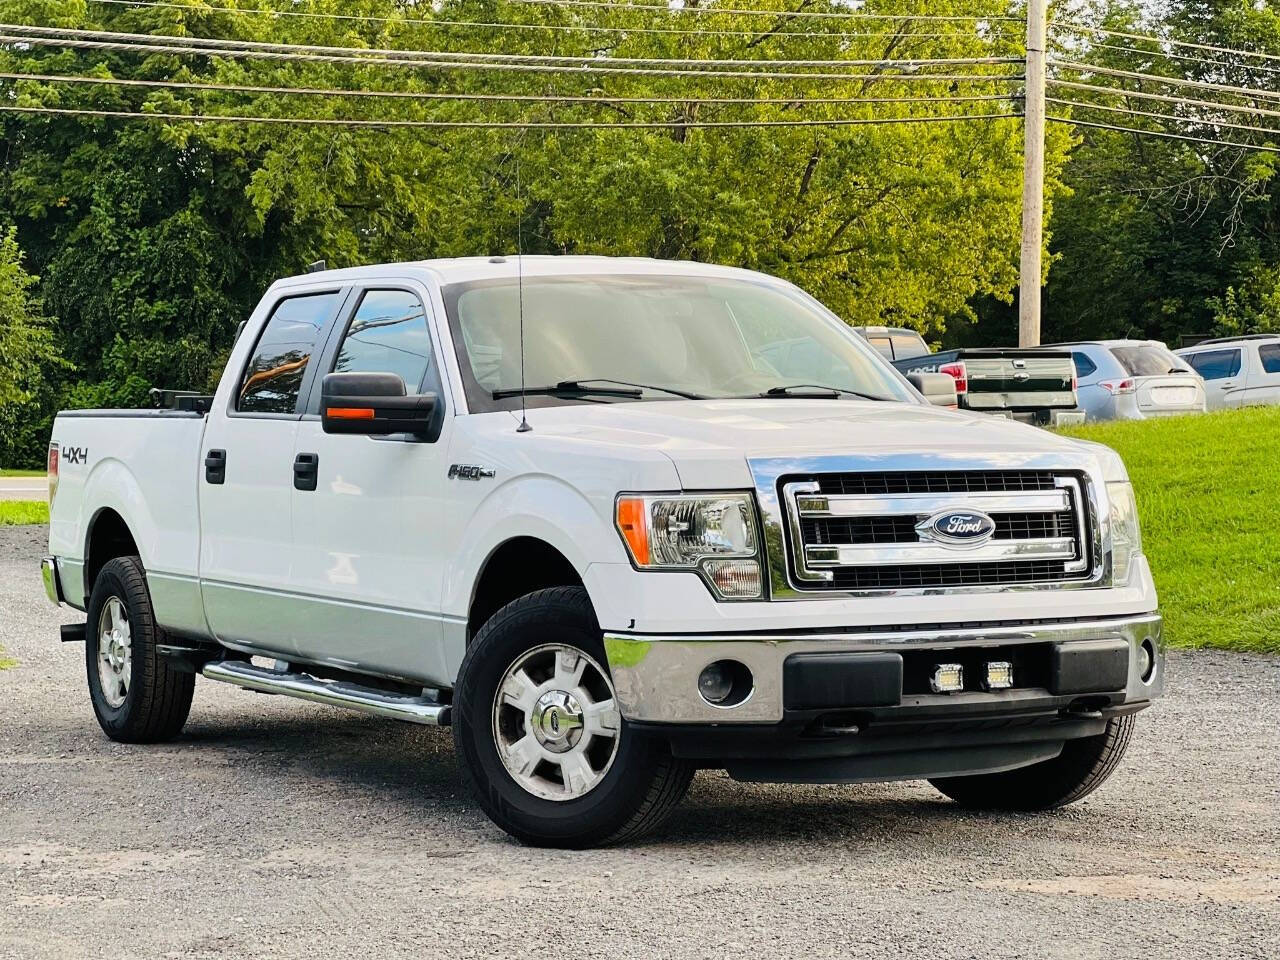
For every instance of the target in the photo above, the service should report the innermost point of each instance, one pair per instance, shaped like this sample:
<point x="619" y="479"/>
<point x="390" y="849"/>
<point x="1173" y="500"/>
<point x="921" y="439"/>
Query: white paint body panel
<point x="376" y="569"/>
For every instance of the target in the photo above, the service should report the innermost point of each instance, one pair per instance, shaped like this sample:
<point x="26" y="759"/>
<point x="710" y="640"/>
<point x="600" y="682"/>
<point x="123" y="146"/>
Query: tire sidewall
<point x="112" y="581"/>
<point x="513" y="631"/>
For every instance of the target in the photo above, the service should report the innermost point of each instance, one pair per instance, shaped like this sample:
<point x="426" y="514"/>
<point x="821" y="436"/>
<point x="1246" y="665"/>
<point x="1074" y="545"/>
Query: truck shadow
<point x="407" y="770"/>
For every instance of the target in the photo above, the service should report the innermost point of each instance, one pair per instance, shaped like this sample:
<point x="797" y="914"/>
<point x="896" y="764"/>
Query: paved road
<point x="280" y="829"/>
<point x="24" y="488"/>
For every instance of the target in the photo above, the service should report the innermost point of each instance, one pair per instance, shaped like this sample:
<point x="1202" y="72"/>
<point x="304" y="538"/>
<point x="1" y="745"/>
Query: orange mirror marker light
<point x="350" y="413"/>
<point x="631" y="522"/>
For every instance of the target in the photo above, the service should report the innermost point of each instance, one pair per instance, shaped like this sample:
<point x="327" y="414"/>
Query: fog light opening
<point x="1147" y="661"/>
<point x="725" y="683"/>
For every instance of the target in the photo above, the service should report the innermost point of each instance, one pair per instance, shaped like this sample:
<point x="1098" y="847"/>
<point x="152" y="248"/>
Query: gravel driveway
<point x="275" y="828"/>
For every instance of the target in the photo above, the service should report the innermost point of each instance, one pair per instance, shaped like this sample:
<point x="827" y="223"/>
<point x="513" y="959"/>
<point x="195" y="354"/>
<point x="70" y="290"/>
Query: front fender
<point x="539" y="506"/>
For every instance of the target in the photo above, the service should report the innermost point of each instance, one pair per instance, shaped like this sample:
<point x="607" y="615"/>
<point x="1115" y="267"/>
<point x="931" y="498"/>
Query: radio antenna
<point x="524" y="418"/>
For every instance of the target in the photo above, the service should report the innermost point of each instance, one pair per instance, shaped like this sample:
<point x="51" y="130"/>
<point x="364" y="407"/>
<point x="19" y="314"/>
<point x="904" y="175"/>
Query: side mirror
<point x="373" y="403"/>
<point x="938" y="388"/>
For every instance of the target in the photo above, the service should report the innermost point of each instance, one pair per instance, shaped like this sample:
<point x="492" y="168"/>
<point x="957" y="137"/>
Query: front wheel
<point x="539" y="735"/>
<point x="1082" y="767"/>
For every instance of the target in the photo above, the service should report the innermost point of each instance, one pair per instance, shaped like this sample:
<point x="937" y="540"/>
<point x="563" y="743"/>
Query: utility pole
<point x="1033" y="176"/>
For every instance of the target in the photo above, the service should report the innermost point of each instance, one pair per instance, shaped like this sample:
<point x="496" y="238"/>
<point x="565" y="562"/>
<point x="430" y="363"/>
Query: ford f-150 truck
<point x="586" y="511"/>
<point x="1036" y="385"/>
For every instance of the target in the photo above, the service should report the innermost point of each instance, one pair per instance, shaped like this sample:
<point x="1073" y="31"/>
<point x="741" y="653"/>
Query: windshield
<point x="1148" y="360"/>
<point x="710" y="337"/>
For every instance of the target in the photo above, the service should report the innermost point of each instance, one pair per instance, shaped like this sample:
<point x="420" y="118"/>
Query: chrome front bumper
<point x="656" y="677"/>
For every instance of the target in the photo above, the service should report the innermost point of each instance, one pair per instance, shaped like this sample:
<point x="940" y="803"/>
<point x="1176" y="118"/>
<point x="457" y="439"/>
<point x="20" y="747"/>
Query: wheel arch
<point x="107" y="536"/>
<point x="514" y="568"/>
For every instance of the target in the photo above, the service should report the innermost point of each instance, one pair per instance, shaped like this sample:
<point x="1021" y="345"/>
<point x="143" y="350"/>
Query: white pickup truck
<point x="726" y="534"/>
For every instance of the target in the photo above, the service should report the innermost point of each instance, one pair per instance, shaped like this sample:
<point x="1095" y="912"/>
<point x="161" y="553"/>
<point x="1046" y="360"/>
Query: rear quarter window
<point x="906" y="346"/>
<point x="1084" y="366"/>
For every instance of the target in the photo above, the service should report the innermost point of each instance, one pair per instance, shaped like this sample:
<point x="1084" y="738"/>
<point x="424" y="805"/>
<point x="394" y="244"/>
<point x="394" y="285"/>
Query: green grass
<point x="1208" y="491"/>
<point x="14" y="512"/>
<point x="6" y="662"/>
<point x="22" y="473"/>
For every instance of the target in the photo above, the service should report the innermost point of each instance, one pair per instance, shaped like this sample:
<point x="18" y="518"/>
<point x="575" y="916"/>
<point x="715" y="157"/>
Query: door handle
<point x="215" y="466"/>
<point x="306" y="471"/>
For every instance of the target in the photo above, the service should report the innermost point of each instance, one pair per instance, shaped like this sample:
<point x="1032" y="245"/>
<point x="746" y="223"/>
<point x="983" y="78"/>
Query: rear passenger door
<point x="246" y="475"/>
<point x="1264" y="381"/>
<point x="367" y="566"/>
<point x="1223" y="374"/>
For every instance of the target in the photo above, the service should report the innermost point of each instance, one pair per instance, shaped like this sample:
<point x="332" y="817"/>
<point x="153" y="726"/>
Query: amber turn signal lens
<point x="631" y="523"/>
<point x="350" y="413"/>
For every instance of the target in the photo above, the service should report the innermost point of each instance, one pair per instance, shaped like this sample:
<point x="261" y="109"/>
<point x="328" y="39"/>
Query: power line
<point x="594" y="68"/>
<point x="505" y="97"/>
<point x="781" y="14"/>
<point x="1169" y="81"/>
<point x="1182" y="57"/>
<point x="550" y="27"/>
<point x="464" y="56"/>
<point x="1162" y="98"/>
<point x="1162" y="133"/>
<point x="507" y="124"/>
<point x="1161" y="116"/>
<point x="1186" y="44"/>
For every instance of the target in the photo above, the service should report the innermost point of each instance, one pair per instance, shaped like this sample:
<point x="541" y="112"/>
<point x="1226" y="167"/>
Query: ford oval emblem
<point x="961" y="528"/>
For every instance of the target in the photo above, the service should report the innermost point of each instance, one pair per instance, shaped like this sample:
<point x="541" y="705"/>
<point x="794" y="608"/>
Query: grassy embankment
<point x="1208" y="491"/>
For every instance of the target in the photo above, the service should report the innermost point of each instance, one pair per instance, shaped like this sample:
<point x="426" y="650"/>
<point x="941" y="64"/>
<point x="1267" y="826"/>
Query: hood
<point x="710" y="440"/>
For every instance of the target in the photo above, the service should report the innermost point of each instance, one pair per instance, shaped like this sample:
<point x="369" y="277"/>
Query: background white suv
<point x="1238" y="371"/>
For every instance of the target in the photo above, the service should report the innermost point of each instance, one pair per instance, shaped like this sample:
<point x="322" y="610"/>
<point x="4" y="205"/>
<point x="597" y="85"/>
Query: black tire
<point x="1082" y="767"/>
<point x="158" y="699"/>
<point x="638" y="791"/>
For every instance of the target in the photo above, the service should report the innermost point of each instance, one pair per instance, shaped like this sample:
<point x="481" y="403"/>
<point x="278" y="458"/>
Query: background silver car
<point x="1133" y="380"/>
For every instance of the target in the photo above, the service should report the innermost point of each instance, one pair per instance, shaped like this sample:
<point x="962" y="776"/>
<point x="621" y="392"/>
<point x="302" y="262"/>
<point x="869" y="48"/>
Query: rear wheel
<point x="137" y="695"/>
<point x="1082" y="767"/>
<point x="539" y="735"/>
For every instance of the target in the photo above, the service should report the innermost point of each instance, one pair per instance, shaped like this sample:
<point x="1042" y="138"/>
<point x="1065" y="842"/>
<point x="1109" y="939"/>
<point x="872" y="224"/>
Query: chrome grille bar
<point x="823" y="556"/>
<point x="901" y="504"/>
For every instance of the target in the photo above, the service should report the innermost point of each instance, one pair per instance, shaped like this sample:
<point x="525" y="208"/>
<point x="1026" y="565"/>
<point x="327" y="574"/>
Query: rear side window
<point x="906" y="346"/>
<point x="273" y="378"/>
<point x="388" y="334"/>
<point x="1269" y="354"/>
<point x="1147" y="360"/>
<point x="1216" y="364"/>
<point x="1084" y="366"/>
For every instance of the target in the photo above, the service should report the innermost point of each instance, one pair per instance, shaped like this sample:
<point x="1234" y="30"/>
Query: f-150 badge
<point x="468" y="471"/>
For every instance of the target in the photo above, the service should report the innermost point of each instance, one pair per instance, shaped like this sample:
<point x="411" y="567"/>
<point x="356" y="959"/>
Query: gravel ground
<point x="276" y="829"/>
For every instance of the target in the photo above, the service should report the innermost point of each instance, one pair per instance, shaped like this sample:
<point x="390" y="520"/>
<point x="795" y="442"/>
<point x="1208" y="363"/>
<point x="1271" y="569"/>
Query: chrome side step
<point x="335" y="693"/>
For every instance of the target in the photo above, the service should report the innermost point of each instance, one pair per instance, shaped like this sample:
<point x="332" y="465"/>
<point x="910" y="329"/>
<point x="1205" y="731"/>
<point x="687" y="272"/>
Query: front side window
<point x="388" y="334"/>
<point x="1269" y="354"/>
<point x="712" y="337"/>
<point x="273" y="378"/>
<point x="1216" y="364"/>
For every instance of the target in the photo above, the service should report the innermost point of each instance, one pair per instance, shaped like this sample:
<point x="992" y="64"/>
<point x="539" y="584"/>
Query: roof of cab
<point x="467" y="269"/>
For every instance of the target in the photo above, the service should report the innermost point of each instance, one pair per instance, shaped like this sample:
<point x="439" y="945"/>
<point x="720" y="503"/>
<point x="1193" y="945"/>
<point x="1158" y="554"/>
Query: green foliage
<point x="155" y="239"/>
<point x="26" y="342"/>
<point x="1206" y="497"/>
<point x="1161" y="238"/>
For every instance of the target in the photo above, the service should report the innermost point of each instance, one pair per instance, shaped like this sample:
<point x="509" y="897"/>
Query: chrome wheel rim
<point x="115" y="654"/>
<point x="556" y="723"/>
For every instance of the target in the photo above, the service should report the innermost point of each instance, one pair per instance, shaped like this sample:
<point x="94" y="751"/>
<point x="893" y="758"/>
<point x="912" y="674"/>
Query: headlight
<point x="712" y="534"/>
<point x="1126" y="538"/>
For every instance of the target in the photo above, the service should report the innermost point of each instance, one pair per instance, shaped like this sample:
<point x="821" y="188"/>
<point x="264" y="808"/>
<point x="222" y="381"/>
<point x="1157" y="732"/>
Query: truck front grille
<point x="869" y="531"/>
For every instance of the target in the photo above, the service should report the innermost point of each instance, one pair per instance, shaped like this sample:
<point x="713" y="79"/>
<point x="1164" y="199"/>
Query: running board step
<point x="335" y="693"/>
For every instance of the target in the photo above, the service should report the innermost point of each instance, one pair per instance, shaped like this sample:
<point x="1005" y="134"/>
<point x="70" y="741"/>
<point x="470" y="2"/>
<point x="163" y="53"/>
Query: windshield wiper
<point x="571" y="388"/>
<point x="566" y="388"/>
<point x="639" y="386"/>
<point x="815" y="390"/>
